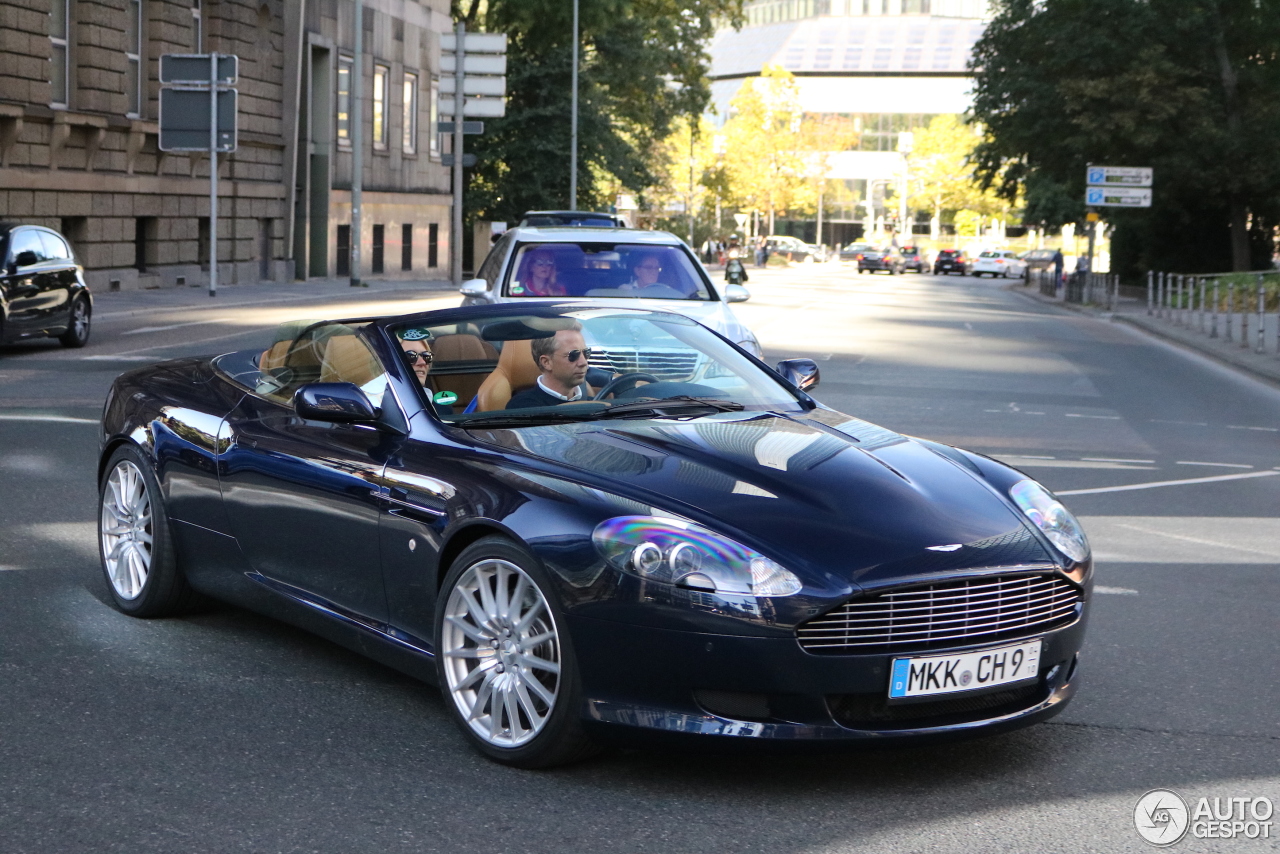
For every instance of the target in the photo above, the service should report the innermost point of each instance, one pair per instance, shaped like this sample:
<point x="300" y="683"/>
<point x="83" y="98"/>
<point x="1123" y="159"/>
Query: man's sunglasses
<point x="574" y="355"/>
<point x="414" y="355"/>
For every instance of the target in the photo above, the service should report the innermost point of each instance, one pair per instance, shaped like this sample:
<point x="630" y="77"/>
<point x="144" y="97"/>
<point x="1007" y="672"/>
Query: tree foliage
<point x="1189" y="87"/>
<point x="942" y="171"/>
<point x="642" y="64"/>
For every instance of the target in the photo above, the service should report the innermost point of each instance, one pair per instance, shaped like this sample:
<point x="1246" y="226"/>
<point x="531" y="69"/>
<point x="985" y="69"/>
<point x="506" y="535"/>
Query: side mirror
<point x="474" y="288"/>
<point x="736" y="293"/>
<point x="337" y="403"/>
<point x="26" y="259"/>
<point x="801" y="373"/>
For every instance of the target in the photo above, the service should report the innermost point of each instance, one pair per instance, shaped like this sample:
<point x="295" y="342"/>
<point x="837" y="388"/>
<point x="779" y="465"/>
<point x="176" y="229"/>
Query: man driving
<point x="562" y="370"/>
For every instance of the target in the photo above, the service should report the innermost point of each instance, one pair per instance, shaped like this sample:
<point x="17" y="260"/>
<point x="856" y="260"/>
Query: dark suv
<point x="950" y="261"/>
<point x="42" y="289"/>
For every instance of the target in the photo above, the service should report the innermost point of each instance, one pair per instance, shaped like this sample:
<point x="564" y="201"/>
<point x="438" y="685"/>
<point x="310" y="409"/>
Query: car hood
<point x="845" y="503"/>
<point x="711" y="313"/>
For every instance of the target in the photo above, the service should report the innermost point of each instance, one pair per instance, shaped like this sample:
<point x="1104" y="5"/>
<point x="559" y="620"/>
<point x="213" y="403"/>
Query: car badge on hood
<point x="948" y="548"/>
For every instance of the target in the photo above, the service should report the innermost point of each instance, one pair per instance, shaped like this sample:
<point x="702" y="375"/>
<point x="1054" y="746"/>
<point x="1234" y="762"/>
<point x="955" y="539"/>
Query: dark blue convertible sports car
<point x="584" y="522"/>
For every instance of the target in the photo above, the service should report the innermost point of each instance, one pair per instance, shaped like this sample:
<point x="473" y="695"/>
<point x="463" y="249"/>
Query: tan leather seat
<point x="348" y="360"/>
<point x="462" y="347"/>
<point x="516" y="371"/>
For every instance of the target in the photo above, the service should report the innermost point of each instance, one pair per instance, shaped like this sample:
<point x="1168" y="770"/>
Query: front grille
<point x="966" y="611"/>
<point x="663" y="364"/>
<point x="873" y="711"/>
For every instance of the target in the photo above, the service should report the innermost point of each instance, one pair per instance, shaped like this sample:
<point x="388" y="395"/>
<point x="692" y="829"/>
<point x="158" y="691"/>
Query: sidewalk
<point x="1134" y="312"/>
<point x="115" y="304"/>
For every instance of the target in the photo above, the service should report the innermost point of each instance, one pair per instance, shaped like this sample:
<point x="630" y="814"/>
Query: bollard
<point x="1262" y="317"/>
<point x="1231" y="309"/>
<point x="1244" y="317"/>
<point x="1202" y="295"/>
<point x="1213" y="331"/>
<point x="1160" y="295"/>
<point x="1177" y="300"/>
<point x="1151" y="292"/>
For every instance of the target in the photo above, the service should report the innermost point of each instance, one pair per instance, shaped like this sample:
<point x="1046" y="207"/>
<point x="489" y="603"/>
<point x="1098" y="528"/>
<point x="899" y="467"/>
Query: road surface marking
<point x="1219" y="465"/>
<point x="1266" y="429"/>
<point x="174" y="326"/>
<point x="61" y="419"/>
<point x="1102" y="417"/>
<point x="1184" y="423"/>
<point x="1115" y="591"/>
<point x="1132" y="486"/>
<point x="1111" y="460"/>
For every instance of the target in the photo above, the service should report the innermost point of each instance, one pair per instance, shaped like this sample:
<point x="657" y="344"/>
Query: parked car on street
<point x="792" y="248"/>
<point x="849" y="253"/>
<point x="42" y="287"/>
<point x="885" y="258"/>
<point x="624" y="267"/>
<point x="913" y="259"/>
<point x="694" y="548"/>
<point x="997" y="262"/>
<point x="1036" y="260"/>
<point x="950" y="261"/>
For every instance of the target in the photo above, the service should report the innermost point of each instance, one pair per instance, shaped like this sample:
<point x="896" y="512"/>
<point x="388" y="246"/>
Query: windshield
<point x="604" y="269"/>
<point x="582" y="365"/>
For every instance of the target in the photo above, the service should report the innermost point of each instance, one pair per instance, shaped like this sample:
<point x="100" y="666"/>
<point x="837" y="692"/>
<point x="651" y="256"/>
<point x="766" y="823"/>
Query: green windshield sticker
<point x="444" y="398"/>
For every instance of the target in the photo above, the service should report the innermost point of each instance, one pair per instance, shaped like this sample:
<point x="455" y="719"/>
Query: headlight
<point x="752" y="346"/>
<point x="688" y="555"/>
<point x="1052" y="518"/>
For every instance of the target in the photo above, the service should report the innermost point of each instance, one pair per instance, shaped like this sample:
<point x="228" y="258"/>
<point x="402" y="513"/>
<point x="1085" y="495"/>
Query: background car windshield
<point x="679" y="356"/>
<point x="613" y="270"/>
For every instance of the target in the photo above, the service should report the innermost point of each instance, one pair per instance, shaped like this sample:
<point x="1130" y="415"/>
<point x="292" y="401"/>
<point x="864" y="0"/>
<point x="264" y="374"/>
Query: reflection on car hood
<point x="834" y="497"/>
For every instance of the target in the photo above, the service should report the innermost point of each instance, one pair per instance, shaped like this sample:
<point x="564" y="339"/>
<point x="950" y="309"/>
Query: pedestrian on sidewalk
<point x="1058" y="262"/>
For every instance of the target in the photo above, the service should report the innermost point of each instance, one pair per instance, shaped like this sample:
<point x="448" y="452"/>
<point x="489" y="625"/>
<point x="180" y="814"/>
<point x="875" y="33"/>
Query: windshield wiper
<point x="669" y="406"/>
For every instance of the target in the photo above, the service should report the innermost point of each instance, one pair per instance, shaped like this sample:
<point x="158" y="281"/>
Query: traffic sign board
<point x="468" y="160"/>
<point x="467" y="127"/>
<point x="480" y="108"/>
<point x="184" y="120"/>
<point x="193" y="68"/>
<point x="496" y="86"/>
<point x="1118" y="197"/>
<point x="473" y="64"/>
<point x="1119" y="176"/>
<point x="474" y="43"/>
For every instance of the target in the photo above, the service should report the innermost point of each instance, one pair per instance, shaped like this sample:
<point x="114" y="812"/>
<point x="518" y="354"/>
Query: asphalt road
<point x="228" y="732"/>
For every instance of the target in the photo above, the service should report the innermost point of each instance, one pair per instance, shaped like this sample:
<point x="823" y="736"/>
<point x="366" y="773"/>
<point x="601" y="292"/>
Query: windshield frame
<point x="511" y="264"/>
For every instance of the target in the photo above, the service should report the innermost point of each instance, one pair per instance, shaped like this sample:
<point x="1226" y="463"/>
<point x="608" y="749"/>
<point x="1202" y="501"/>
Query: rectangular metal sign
<point x="474" y="43"/>
<point x="1119" y="176"/>
<point x="468" y="160"/>
<point x="479" y="108"/>
<point x="184" y="120"/>
<point x="473" y="64"/>
<point x="193" y="69"/>
<point x="1118" y="197"/>
<point x="494" y="86"/>
<point x="469" y="128"/>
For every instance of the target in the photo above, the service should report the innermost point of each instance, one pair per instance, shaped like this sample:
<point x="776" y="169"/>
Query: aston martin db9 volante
<point x="588" y="522"/>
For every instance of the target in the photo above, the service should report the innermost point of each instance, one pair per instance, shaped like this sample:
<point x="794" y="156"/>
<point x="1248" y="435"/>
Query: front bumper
<point x="647" y="680"/>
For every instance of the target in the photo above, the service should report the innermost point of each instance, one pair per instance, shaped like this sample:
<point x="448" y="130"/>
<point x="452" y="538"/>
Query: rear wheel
<point x="506" y="661"/>
<point x="77" y="334"/>
<point x="137" y="554"/>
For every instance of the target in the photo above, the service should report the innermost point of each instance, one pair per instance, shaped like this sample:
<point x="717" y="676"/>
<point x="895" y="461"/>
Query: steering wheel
<point x="624" y="383"/>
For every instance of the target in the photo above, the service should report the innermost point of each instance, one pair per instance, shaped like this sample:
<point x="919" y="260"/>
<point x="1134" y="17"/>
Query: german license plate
<point x="926" y="676"/>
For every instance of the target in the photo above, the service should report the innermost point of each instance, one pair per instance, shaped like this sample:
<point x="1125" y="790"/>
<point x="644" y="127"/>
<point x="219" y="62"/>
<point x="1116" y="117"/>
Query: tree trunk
<point x="1240" y="259"/>
<point x="1238" y="213"/>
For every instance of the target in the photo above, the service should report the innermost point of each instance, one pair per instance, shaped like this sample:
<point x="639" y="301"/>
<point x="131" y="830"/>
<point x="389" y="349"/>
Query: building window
<point x="133" y="57"/>
<point x="433" y="245"/>
<point x="379" y="243"/>
<point x="344" y="102"/>
<point x="434" y="116"/>
<point x="197" y="27"/>
<point x="344" y="250"/>
<point x="406" y="246"/>
<point x="380" y="74"/>
<point x="59" y="28"/>
<point x="409" y="123"/>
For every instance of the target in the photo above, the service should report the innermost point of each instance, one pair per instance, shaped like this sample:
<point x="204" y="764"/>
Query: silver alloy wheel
<point x="126" y="530"/>
<point x="501" y="653"/>
<point x="80" y="320"/>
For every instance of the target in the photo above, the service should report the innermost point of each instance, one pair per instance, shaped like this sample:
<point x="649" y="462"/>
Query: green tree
<point x="642" y="64"/>
<point x="1189" y="87"/>
<point x="942" y="171"/>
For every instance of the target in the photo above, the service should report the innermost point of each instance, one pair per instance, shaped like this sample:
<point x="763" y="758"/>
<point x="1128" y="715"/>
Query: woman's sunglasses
<point x="414" y="355"/>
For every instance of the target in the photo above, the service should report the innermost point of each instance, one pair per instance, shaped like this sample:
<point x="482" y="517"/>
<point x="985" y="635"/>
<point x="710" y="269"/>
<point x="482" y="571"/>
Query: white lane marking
<point x="1183" y="423"/>
<point x="1266" y="429"/>
<point x="1133" y="486"/>
<point x="1115" y="591"/>
<point x="117" y="358"/>
<point x="144" y="329"/>
<point x="60" y="419"/>
<point x="1011" y="456"/>
<point x="1111" y="460"/>
<point x="1033" y="413"/>
<point x="967" y="324"/>
<point x="1101" y="417"/>
<point x="1219" y="465"/>
<point x="1189" y="539"/>
<point x="4" y="568"/>
<point x="126" y="354"/>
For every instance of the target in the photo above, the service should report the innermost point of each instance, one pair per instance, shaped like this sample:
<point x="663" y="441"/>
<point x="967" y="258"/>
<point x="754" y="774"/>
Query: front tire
<point x="134" y="544"/>
<point x="506" y="661"/>
<point x="77" y="334"/>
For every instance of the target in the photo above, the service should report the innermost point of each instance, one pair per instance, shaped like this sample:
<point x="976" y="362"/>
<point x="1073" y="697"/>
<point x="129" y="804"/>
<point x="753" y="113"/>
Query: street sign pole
<point x="573" y="119"/>
<point x="213" y="174"/>
<point x="356" y="119"/>
<point x="458" y="136"/>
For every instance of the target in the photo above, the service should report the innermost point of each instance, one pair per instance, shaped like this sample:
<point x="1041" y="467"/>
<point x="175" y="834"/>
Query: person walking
<point x="1058" y="262"/>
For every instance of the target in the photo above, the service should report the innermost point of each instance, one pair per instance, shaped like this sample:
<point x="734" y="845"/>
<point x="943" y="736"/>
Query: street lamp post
<point x="357" y="145"/>
<point x="573" y="118"/>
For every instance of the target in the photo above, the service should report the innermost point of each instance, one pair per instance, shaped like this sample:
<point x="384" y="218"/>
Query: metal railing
<point x="1100" y="289"/>
<point x="1239" y="308"/>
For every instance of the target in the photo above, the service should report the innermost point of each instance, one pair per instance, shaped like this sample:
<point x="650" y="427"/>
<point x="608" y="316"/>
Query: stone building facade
<point x="79" y="133"/>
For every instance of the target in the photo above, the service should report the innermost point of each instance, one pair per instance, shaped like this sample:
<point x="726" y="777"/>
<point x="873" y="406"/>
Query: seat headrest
<point x="462" y="347"/>
<point x="347" y="359"/>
